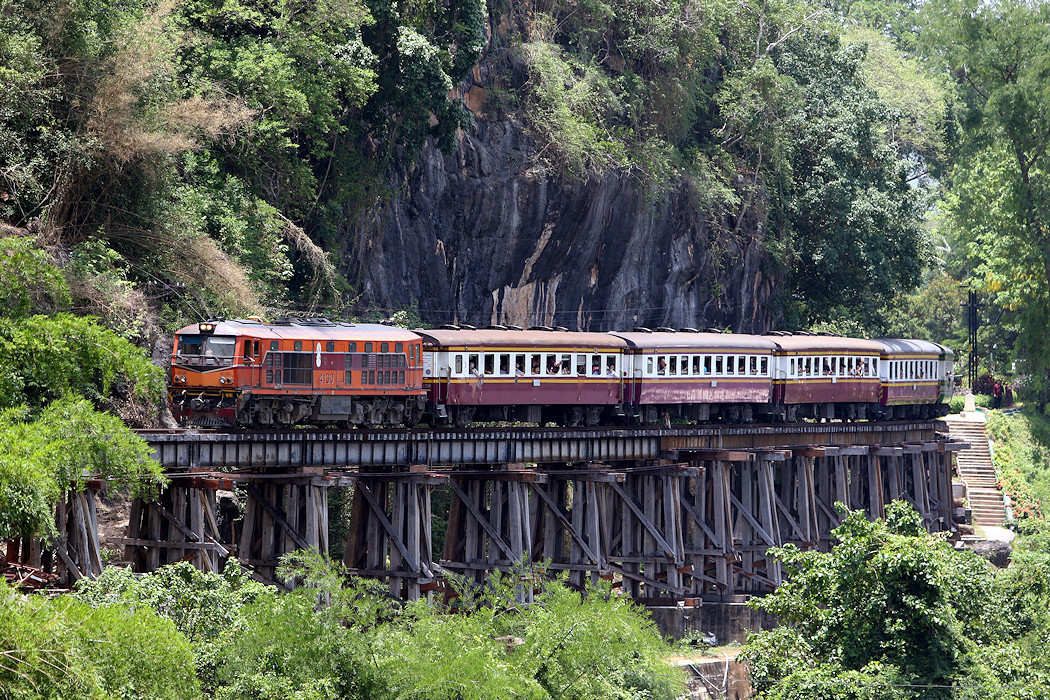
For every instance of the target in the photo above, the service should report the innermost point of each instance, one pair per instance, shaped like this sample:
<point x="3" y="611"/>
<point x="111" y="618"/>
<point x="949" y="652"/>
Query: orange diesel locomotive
<point x="250" y="373"/>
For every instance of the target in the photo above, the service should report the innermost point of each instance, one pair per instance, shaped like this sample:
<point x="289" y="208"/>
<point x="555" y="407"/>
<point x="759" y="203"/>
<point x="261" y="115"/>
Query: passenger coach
<point x="826" y="376"/>
<point x="697" y="376"/>
<point x="534" y="376"/>
<point x="917" y="378"/>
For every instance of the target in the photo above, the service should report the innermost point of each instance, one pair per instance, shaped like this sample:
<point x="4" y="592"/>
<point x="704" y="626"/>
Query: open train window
<point x="683" y="364"/>
<point x="472" y="366"/>
<point x="581" y="364"/>
<point x="566" y="363"/>
<point x="730" y="365"/>
<point x="674" y="365"/>
<point x="490" y="363"/>
<point x="719" y="364"/>
<point x="504" y="364"/>
<point x="696" y="365"/>
<point x="707" y="364"/>
<point x="596" y="365"/>
<point x="610" y="366"/>
<point x="753" y="369"/>
<point x="741" y="365"/>
<point x="764" y="366"/>
<point x="535" y="365"/>
<point x="552" y="364"/>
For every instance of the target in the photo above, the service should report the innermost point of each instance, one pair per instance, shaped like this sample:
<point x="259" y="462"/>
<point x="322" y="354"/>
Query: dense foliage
<point x="1021" y="461"/>
<point x="893" y="612"/>
<point x="65" y="648"/>
<point x="56" y="371"/>
<point x="252" y="642"/>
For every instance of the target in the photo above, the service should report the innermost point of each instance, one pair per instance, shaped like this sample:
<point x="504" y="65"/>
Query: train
<point x="312" y="371"/>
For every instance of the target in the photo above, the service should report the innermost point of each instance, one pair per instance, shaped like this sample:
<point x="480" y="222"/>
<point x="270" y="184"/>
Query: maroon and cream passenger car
<point x="698" y="376"/>
<point x="917" y="378"/>
<point x="824" y="376"/>
<point x="532" y="376"/>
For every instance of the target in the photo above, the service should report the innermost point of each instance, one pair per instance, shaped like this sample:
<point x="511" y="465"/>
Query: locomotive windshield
<point x="208" y="351"/>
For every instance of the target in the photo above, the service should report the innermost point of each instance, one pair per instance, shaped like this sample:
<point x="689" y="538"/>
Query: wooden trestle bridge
<point x="669" y="513"/>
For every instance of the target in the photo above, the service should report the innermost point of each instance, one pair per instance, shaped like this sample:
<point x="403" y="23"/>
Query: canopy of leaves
<point x="42" y="459"/>
<point x="894" y="612"/>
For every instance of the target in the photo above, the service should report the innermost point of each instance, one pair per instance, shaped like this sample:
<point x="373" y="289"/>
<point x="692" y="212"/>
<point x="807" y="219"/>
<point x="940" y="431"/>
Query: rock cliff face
<point x="483" y="237"/>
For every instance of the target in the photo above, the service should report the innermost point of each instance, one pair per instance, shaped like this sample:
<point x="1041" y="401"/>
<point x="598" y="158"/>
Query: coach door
<point x="250" y="359"/>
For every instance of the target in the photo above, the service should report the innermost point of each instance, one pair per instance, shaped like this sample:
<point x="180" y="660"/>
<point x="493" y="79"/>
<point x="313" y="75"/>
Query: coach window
<point x="649" y="366"/>
<point x="473" y="365"/>
<point x="581" y="365"/>
<point x="551" y="366"/>
<point x="298" y="346"/>
<point x="707" y="364"/>
<point x="730" y="364"/>
<point x="610" y="367"/>
<point x="763" y="364"/>
<point x="741" y="365"/>
<point x="535" y="367"/>
<point x="683" y="365"/>
<point x="673" y="365"/>
<point x="490" y="364"/>
<point x="696" y="365"/>
<point x="719" y="364"/>
<point x="753" y="367"/>
<point x="273" y="344"/>
<point x="504" y="364"/>
<point x="399" y="347"/>
<point x="384" y="347"/>
<point x="457" y="365"/>
<point x="519" y="365"/>
<point x="368" y="347"/>
<point x="329" y="346"/>
<point x="596" y="365"/>
<point x="566" y="363"/>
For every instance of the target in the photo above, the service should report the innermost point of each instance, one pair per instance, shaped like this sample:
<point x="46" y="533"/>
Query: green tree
<point x="890" y="612"/>
<point x="42" y="459"/>
<point x="998" y="201"/>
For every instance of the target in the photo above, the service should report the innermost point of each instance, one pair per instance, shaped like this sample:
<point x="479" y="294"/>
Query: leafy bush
<point x="984" y="384"/>
<point x="43" y="358"/>
<point x="253" y="642"/>
<point x="956" y="404"/>
<point x="889" y="607"/>
<point x="41" y="459"/>
<point x="64" y="648"/>
<point x="29" y="282"/>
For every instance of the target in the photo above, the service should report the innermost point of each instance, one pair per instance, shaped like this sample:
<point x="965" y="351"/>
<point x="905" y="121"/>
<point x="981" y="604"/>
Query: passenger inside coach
<point x="661" y="367"/>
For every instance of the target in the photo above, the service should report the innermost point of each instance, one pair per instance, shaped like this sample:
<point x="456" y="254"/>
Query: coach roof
<point x="909" y="346"/>
<point x="487" y="337"/>
<point x="825" y="344"/>
<point x="693" y="342"/>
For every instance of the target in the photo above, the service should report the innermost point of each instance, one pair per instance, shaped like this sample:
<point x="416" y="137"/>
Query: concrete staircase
<point x="975" y="468"/>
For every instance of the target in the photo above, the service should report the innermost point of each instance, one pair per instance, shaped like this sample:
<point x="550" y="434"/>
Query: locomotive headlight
<point x="222" y="380"/>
